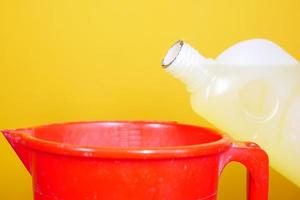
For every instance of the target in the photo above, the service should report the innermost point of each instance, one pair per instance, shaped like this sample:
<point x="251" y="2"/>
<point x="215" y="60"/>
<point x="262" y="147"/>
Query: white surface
<point x="256" y="52"/>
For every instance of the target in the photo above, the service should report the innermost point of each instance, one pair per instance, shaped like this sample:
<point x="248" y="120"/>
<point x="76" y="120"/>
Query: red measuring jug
<point x="136" y="160"/>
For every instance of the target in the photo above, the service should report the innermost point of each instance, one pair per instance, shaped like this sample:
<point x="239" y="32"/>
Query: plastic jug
<point x="251" y="92"/>
<point x="133" y="160"/>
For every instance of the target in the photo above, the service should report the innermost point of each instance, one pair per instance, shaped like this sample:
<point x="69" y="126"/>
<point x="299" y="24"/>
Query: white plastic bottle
<point x="251" y="91"/>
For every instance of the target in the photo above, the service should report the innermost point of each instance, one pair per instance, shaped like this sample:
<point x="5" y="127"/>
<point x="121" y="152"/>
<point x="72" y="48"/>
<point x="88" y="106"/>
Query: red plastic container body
<point x="133" y="160"/>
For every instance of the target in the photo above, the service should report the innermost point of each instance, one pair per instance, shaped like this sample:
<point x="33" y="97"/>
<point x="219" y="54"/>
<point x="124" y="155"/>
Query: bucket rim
<point x="182" y="151"/>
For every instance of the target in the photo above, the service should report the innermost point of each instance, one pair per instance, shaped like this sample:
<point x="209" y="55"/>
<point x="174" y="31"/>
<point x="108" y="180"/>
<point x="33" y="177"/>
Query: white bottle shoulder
<point x="256" y="52"/>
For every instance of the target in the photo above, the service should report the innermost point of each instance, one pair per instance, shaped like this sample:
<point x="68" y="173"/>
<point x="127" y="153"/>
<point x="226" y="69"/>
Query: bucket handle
<point x="257" y="164"/>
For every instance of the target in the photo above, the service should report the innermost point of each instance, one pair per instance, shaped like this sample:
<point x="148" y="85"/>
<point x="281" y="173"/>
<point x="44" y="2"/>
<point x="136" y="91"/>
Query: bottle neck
<point x="187" y="65"/>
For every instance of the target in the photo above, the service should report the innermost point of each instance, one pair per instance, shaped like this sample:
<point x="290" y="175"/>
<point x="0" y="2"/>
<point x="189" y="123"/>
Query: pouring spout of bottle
<point x="186" y="64"/>
<point x="15" y="140"/>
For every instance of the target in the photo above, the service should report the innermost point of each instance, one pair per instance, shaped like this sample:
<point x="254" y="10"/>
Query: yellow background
<point x="63" y="60"/>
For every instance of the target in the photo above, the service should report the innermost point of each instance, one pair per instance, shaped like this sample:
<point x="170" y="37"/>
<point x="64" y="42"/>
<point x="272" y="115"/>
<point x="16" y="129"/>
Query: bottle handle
<point x="257" y="164"/>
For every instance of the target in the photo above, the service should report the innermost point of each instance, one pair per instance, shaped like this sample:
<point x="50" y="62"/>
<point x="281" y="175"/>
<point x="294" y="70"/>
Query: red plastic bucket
<point x="133" y="160"/>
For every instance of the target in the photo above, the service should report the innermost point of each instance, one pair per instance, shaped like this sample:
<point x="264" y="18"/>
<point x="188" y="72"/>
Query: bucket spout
<point x="15" y="140"/>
